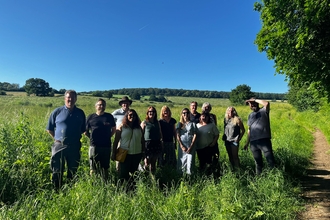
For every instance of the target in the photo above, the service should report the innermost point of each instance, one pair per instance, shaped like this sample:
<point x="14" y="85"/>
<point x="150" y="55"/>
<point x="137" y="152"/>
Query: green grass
<point x="26" y="192"/>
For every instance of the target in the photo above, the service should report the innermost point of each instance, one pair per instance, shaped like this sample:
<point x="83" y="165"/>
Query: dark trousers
<point x="168" y="156"/>
<point x="204" y="156"/>
<point x="130" y="165"/>
<point x="216" y="154"/>
<point x="99" y="158"/>
<point x="262" y="146"/>
<point x="67" y="155"/>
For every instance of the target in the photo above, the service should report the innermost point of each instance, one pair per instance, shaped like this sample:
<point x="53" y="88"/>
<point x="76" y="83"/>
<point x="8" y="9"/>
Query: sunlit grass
<point x="26" y="192"/>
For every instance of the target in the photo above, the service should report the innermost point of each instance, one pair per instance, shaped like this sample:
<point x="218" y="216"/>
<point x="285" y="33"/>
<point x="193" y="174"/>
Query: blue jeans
<point x="186" y="162"/>
<point x="265" y="146"/>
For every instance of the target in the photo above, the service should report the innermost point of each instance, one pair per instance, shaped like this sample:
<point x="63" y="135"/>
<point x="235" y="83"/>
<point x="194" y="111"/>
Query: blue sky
<point x="112" y="44"/>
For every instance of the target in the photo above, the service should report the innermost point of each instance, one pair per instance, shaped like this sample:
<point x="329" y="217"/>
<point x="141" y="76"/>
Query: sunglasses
<point x="151" y="111"/>
<point x="185" y="113"/>
<point x="131" y="115"/>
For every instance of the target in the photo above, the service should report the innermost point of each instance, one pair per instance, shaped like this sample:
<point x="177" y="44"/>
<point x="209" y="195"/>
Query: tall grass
<point x="245" y="197"/>
<point x="26" y="192"/>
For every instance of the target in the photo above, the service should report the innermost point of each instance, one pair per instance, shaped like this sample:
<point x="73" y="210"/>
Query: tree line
<point x="40" y="87"/>
<point x="159" y="94"/>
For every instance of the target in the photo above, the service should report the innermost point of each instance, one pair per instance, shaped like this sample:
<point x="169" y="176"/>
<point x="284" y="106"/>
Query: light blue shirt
<point x="118" y="116"/>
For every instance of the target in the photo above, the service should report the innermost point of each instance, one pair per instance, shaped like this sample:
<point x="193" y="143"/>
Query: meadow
<point x="26" y="191"/>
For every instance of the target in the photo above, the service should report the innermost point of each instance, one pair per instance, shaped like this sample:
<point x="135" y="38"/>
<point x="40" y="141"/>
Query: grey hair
<point x="73" y="92"/>
<point x="206" y="104"/>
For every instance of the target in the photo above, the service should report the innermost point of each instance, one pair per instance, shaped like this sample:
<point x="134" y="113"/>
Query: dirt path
<point x="316" y="184"/>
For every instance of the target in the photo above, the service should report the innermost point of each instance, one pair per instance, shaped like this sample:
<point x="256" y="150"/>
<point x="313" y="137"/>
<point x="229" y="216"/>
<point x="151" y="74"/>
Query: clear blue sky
<point x="90" y="45"/>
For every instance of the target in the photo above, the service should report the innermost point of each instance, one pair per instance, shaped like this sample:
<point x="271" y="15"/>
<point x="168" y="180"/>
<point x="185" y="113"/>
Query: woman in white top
<point x="206" y="107"/>
<point x="207" y="139"/>
<point x="130" y="136"/>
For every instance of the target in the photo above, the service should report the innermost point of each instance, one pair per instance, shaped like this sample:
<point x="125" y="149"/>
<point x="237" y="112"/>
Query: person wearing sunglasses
<point x="206" y="107"/>
<point x="186" y="136"/>
<point x="129" y="136"/>
<point x="119" y="114"/>
<point x="207" y="138"/>
<point x="153" y="139"/>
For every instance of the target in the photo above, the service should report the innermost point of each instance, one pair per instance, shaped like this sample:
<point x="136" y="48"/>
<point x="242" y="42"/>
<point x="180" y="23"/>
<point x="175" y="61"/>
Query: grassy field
<point x="26" y="192"/>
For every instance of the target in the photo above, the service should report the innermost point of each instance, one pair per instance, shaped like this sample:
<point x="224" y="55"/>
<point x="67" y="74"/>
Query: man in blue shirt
<point x="119" y="114"/>
<point x="65" y="126"/>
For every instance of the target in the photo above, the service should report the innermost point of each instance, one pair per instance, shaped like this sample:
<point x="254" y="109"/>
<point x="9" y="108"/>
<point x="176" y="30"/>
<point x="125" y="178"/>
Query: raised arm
<point x="264" y="103"/>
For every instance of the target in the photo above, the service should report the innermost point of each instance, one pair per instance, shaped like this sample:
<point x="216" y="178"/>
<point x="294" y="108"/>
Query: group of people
<point x="153" y="141"/>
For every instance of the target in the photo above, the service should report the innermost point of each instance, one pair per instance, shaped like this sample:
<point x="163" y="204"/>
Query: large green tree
<point x="135" y="95"/>
<point x="304" y="97"/>
<point x="108" y="94"/>
<point x="295" y="34"/>
<point x="240" y="94"/>
<point x="37" y="86"/>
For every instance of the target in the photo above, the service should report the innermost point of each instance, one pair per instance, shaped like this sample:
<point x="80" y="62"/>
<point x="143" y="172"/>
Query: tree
<point x="9" y="86"/>
<point x="152" y="97"/>
<point x="62" y="91"/>
<point x="295" y="34"/>
<point x="108" y="94"/>
<point x="136" y="96"/>
<point x="187" y="94"/>
<point x="304" y="97"/>
<point x="97" y="93"/>
<point x="161" y="98"/>
<point x="37" y="86"/>
<point x="52" y="92"/>
<point x="240" y="94"/>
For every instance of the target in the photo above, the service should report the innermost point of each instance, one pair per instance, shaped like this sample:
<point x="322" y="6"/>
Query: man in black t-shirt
<point x="194" y="115"/>
<point x="100" y="127"/>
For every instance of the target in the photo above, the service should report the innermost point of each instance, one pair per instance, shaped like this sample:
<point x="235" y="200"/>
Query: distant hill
<point x="184" y="93"/>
